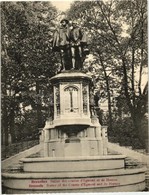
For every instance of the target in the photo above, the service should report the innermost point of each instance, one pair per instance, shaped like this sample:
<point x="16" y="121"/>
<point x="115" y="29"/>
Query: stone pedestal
<point x="73" y="131"/>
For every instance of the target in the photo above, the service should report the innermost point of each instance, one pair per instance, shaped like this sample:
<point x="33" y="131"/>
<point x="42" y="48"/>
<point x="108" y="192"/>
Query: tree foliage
<point x="27" y="59"/>
<point x="118" y="33"/>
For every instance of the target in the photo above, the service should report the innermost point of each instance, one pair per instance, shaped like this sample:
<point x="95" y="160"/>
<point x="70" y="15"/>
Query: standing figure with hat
<point x="61" y="42"/>
<point x="78" y="42"/>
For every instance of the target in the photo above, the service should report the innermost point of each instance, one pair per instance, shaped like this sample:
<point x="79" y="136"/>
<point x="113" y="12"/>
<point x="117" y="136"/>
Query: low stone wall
<point x="15" y="148"/>
<point x="15" y="159"/>
<point x="130" y="153"/>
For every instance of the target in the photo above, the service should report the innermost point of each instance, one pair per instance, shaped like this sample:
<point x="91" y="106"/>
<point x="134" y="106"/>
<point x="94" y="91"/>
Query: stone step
<point x="132" y="163"/>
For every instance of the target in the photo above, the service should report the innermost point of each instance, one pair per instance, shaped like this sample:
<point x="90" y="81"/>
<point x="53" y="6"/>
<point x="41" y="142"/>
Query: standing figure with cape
<point x="71" y="43"/>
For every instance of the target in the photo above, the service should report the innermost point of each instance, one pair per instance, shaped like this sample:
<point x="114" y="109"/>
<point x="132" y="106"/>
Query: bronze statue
<point x="72" y="45"/>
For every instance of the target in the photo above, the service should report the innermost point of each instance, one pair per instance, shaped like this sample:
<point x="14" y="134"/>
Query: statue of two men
<point x="72" y="44"/>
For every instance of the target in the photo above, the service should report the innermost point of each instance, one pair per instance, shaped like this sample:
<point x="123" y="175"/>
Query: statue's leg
<point x="81" y="57"/>
<point x="73" y="57"/>
<point x="62" y="59"/>
<point x="69" y="59"/>
<point x="80" y="51"/>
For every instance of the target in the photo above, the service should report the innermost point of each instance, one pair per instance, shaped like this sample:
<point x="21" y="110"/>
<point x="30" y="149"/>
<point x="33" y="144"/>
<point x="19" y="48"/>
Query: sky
<point x="62" y="5"/>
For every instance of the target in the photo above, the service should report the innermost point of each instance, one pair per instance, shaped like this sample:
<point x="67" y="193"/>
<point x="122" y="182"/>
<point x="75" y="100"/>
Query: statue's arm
<point x="55" y="39"/>
<point x="84" y="38"/>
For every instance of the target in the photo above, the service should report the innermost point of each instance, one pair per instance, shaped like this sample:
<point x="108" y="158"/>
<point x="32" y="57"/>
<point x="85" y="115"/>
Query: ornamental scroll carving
<point x="57" y="98"/>
<point x="85" y="97"/>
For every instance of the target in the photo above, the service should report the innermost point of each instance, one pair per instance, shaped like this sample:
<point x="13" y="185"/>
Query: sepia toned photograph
<point x="74" y="96"/>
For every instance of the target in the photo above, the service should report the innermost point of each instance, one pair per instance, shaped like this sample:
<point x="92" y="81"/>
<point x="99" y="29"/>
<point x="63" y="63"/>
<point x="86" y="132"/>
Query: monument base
<point x="81" y="174"/>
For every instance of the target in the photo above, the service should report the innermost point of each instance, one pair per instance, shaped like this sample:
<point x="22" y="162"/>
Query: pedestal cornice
<point x="70" y="75"/>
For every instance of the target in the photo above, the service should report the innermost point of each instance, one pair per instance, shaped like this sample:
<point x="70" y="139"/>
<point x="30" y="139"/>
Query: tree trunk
<point x="137" y="121"/>
<point x="11" y="122"/>
<point x="109" y="105"/>
<point x="4" y="116"/>
<point x="38" y="108"/>
<point x="108" y="92"/>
